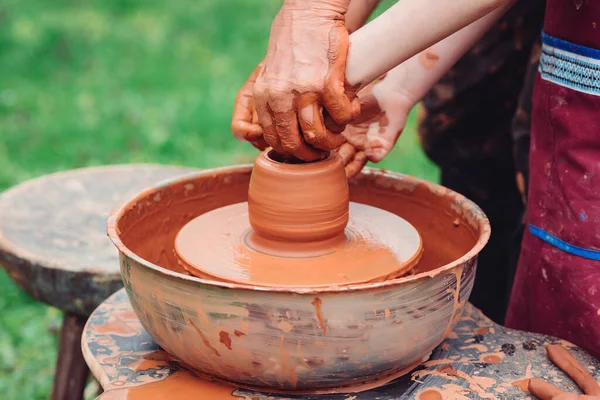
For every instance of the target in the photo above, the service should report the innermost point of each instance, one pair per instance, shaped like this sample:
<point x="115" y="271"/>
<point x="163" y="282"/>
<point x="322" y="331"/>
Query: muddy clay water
<point x="298" y="338"/>
<point x="298" y="229"/>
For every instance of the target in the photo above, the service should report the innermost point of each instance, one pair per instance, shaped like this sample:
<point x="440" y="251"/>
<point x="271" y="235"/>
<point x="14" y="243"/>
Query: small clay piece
<point x="561" y="357"/>
<point x="522" y="384"/>
<point x="298" y="229"/>
<point x="543" y="390"/>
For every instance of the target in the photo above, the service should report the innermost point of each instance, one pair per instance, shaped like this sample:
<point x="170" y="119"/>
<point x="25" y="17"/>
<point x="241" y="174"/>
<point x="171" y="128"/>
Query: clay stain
<point x="491" y="359"/>
<point x="482" y="331"/>
<point x="428" y="59"/>
<point x="448" y="369"/>
<point x="430" y="394"/>
<point x="225" y="339"/>
<point x="238" y="333"/>
<point x="523" y="384"/>
<point x="204" y="339"/>
<point x="317" y="302"/>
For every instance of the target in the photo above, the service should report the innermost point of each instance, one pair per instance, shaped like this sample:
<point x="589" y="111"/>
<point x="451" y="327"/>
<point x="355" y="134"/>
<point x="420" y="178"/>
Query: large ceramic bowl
<point x="299" y="339"/>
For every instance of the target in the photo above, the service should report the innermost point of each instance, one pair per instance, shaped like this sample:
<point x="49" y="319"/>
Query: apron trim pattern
<point x="570" y="65"/>
<point x="562" y="245"/>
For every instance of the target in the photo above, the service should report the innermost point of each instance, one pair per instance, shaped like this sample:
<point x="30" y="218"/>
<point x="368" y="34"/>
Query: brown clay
<point x="161" y="212"/>
<point x="317" y="304"/>
<point x="180" y="385"/>
<point x="430" y="394"/>
<point x="428" y="58"/>
<point x="491" y="359"/>
<point x="187" y="385"/>
<point x="522" y="384"/>
<point x="544" y="390"/>
<point x="298" y="202"/>
<point x="292" y="232"/>
<point x="225" y="339"/>
<point x="443" y="240"/>
<point x="232" y="252"/>
<point x="561" y="357"/>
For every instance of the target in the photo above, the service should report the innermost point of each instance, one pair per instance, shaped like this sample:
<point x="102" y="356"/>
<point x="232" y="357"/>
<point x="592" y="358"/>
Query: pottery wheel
<point x="221" y="245"/>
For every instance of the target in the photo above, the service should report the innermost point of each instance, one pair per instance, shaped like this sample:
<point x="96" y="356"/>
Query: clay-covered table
<point x="479" y="360"/>
<point x="53" y="244"/>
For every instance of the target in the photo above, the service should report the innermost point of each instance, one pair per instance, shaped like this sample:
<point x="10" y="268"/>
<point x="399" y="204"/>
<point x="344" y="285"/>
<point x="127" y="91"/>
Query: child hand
<point x="383" y="115"/>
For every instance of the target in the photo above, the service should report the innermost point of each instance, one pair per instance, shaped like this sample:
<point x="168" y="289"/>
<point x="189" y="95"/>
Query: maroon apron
<point x="557" y="286"/>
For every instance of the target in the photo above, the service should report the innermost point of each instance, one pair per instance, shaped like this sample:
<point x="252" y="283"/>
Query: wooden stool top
<point x="479" y="360"/>
<point x="53" y="239"/>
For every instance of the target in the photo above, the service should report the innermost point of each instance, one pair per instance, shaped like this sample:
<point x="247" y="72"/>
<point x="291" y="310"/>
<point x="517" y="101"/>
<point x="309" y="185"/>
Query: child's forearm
<point x="358" y="13"/>
<point x="416" y="76"/>
<point x="407" y="28"/>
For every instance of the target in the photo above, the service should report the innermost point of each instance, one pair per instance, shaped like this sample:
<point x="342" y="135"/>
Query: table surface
<point x="53" y="231"/>
<point x="479" y="360"/>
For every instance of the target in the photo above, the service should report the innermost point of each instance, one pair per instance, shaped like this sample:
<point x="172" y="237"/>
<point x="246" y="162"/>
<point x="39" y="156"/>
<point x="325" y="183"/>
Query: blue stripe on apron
<point x="562" y="245"/>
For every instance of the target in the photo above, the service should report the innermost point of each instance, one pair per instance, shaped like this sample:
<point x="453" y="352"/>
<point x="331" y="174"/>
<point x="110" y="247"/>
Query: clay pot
<point x="302" y="202"/>
<point x="298" y="338"/>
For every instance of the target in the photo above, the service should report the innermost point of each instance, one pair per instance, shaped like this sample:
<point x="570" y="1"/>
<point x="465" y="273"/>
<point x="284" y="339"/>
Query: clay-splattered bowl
<point x="304" y="339"/>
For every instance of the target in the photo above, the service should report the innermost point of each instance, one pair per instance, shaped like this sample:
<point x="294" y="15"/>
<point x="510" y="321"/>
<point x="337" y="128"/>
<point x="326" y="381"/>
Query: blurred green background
<point x="121" y="81"/>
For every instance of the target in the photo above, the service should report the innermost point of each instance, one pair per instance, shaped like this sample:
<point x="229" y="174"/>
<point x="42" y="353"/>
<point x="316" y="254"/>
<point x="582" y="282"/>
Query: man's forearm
<point x="407" y="28"/>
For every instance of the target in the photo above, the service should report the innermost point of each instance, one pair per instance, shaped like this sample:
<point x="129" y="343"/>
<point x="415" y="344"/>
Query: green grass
<point x="120" y="81"/>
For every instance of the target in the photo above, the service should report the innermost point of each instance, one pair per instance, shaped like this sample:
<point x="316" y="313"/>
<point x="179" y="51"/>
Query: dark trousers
<point x="474" y="125"/>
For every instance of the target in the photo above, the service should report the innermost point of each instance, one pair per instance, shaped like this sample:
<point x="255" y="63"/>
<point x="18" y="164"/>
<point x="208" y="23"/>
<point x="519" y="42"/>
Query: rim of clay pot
<point x="484" y="235"/>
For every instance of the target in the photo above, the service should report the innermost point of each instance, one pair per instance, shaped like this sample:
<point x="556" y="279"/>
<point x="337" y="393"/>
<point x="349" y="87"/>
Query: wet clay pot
<point x="319" y="190"/>
<point x="299" y="339"/>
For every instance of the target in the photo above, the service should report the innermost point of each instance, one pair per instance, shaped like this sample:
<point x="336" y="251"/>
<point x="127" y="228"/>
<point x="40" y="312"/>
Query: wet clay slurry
<point x="180" y="385"/>
<point x="162" y="213"/>
<point x="221" y="245"/>
<point x="430" y="394"/>
<point x="298" y="229"/>
<point x="185" y="384"/>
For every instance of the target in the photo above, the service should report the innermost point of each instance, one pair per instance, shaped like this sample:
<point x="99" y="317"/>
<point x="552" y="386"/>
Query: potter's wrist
<point x="400" y="91"/>
<point x="326" y="8"/>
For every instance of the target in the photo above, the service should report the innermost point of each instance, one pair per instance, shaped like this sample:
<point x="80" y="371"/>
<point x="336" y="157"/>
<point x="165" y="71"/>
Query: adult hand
<point x="384" y="112"/>
<point x="304" y="72"/>
<point x="244" y="123"/>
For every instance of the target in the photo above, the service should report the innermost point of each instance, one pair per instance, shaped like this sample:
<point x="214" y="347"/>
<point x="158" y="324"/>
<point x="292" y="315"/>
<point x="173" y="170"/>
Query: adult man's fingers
<point x="341" y="108"/>
<point x="310" y="118"/>
<point x="265" y="119"/>
<point x="292" y="142"/>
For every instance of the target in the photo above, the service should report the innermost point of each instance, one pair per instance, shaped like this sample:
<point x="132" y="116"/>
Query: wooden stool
<point x="53" y="244"/>
<point x="478" y="360"/>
